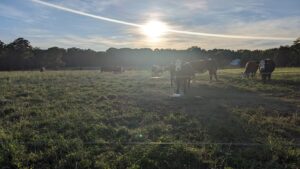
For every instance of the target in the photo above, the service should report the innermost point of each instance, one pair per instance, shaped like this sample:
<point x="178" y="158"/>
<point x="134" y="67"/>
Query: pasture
<point x="88" y="119"/>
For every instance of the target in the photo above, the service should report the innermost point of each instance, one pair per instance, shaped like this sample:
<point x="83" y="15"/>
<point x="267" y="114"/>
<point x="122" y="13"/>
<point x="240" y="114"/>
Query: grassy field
<point x="88" y="119"/>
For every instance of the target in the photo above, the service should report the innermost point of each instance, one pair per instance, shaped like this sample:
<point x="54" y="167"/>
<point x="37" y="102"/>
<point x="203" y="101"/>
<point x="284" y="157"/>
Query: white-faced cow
<point x="266" y="67"/>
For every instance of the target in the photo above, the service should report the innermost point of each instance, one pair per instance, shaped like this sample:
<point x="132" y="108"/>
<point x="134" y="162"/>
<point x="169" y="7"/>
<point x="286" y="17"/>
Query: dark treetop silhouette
<point x="20" y="55"/>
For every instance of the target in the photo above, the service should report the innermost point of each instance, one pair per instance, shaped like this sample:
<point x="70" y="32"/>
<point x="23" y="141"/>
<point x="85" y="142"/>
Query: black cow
<point x="266" y="67"/>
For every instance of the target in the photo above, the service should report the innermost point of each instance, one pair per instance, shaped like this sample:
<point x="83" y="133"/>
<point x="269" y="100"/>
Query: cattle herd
<point x="181" y="73"/>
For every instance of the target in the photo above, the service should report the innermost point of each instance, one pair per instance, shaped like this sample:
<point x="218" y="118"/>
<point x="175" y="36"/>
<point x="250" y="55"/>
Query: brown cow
<point x="183" y="72"/>
<point x="202" y="66"/>
<point x="251" y="69"/>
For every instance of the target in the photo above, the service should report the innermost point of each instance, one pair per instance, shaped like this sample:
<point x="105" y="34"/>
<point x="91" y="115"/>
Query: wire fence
<point x="238" y="144"/>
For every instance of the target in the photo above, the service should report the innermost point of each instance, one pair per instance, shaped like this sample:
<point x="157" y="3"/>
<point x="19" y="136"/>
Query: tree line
<point x="20" y="55"/>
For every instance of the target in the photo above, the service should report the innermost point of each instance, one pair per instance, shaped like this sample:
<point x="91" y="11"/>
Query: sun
<point x="154" y="30"/>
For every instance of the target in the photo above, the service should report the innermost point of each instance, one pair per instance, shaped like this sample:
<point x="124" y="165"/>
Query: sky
<point x="45" y="26"/>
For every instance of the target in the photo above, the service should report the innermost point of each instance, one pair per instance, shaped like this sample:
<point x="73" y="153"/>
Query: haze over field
<point x="157" y="84"/>
<point x="155" y="24"/>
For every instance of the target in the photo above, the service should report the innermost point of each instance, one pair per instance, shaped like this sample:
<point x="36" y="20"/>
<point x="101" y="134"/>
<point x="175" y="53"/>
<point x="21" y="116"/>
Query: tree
<point x="2" y="60"/>
<point x="18" y="54"/>
<point x="295" y="53"/>
<point x="282" y="57"/>
<point x="54" y="57"/>
<point x="2" y="45"/>
<point x="50" y="58"/>
<point x="297" y="41"/>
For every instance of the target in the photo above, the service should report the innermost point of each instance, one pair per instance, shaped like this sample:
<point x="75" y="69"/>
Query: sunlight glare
<point x="154" y="30"/>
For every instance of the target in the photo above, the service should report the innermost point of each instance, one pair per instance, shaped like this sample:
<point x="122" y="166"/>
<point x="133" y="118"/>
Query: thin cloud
<point x="88" y="42"/>
<point x="90" y="5"/>
<point x="195" y="4"/>
<point x="170" y="30"/>
<point x="13" y="13"/>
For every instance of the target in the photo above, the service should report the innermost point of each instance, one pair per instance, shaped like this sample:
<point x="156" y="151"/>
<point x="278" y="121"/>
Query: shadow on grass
<point x="284" y="82"/>
<point x="211" y="106"/>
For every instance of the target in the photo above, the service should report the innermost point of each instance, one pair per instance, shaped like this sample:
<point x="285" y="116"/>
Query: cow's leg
<point x="171" y="79"/>
<point x="269" y="77"/>
<point x="249" y="75"/>
<point x="216" y="77"/>
<point x="177" y="85"/>
<point x="185" y="81"/>
<point x="263" y="77"/>
<point x="210" y="75"/>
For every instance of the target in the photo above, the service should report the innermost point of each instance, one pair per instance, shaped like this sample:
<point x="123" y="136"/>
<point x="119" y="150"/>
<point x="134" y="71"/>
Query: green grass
<point x="88" y="119"/>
